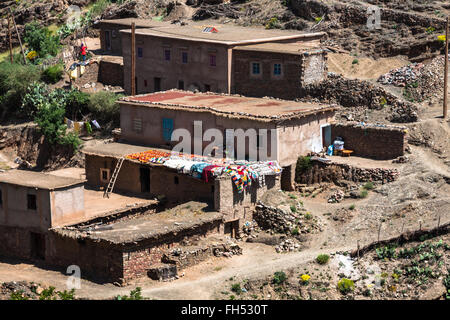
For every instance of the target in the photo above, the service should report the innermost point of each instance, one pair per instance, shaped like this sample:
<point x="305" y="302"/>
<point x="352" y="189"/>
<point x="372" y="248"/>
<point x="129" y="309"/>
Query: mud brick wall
<point x="284" y="87"/>
<point x="137" y="260"/>
<point x="15" y="242"/>
<point x="381" y="143"/>
<point x="111" y="73"/>
<point x="97" y="259"/>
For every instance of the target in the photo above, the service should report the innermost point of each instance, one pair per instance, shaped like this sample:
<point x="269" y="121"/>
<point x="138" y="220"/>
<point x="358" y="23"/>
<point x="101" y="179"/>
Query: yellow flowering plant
<point x="305" y="278"/>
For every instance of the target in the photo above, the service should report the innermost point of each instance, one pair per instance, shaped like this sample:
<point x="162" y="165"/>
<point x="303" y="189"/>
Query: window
<point x="207" y="88"/>
<point x="277" y="69"/>
<point x="181" y="85"/>
<point x="184" y="57"/>
<point x="145" y="83"/>
<point x="256" y="68"/>
<point x="167" y="54"/>
<point x="140" y="52"/>
<point x="167" y="129"/>
<point x="137" y="125"/>
<point x="104" y="175"/>
<point x="212" y="60"/>
<point x="176" y="180"/>
<point x="157" y="84"/>
<point x="31" y="202"/>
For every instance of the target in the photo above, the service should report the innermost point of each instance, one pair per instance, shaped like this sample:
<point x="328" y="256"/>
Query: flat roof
<point x="115" y="149"/>
<point x="37" y="180"/>
<point x="267" y="109"/>
<point x="290" y="48"/>
<point x="139" y="22"/>
<point x="185" y="216"/>
<point x="226" y="33"/>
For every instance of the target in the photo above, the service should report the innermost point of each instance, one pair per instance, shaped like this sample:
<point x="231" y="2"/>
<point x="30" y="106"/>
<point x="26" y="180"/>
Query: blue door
<point x="167" y="129"/>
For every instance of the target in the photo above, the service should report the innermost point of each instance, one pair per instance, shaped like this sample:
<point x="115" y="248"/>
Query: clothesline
<point x="242" y="172"/>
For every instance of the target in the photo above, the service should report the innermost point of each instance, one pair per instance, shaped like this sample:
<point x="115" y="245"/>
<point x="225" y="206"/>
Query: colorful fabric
<point x="197" y="169"/>
<point x="207" y="172"/>
<point x="153" y="156"/>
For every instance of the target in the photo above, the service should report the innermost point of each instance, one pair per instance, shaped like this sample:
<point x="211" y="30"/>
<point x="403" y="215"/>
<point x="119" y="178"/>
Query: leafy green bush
<point x="303" y="165"/>
<point x="67" y="295"/>
<point x="293" y="208"/>
<point x="346" y="285"/>
<point x="322" y="258"/>
<point x="295" y="231"/>
<point x="41" y="40"/>
<point x="387" y="252"/>
<point x="135" y="294"/>
<point x="369" y="186"/>
<point x="236" y="288"/>
<point x="14" y="81"/>
<point x="363" y="193"/>
<point x="273" y="23"/>
<point x="53" y="73"/>
<point x="18" y="295"/>
<point x="352" y="207"/>
<point x="279" y="277"/>
<point x="104" y="107"/>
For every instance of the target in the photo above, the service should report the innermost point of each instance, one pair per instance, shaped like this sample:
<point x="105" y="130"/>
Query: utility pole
<point x="18" y="36"/>
<point x="446" y="72"/>
<point x="133" y="59"/>
<point x="10" y="39"/>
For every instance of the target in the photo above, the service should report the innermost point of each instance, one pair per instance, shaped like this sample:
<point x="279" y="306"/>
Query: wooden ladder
<point x="113" y="179"/>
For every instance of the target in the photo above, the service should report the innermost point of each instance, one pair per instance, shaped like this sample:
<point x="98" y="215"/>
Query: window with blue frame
<point x="167" y="129"/>
<point x="184" y="57"/>
<point x="256" y="68"/>
<point x="277" y="69"/>
<point x="140" y="52"/>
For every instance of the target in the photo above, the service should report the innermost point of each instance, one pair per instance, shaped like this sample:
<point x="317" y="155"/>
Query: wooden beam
<point x="446" y="72"/>
<point x="133" y="59"/>
<point x="18" y="36"/>
<point x="10" y="39"/>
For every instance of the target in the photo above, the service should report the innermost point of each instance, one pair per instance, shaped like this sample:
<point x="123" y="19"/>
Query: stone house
<point x="220" y="58"/>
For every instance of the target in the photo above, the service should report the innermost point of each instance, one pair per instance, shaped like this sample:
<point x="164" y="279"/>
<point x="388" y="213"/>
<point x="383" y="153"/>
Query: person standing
<point x="83" y="52"/>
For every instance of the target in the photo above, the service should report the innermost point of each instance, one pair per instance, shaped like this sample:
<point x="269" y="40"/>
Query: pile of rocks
<point x="227" y="250"/>
<point x="336" y="197"/>
<point x="355" y="93"/>
<point x="275" y="219"/>
<point x="400" y="77"/>
<point x="287" y="245"/>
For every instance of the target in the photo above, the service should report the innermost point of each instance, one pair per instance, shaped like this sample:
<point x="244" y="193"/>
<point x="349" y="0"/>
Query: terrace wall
<point x="381" y="143"/>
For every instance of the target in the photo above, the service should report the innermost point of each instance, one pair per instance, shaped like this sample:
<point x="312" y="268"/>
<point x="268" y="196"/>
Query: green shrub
<point x="14" y="82"/>
<point x="295" y="231"/>
<point x="273" y="23"/>
<point x="48" y="294"/>
<point x="135" y="294"/>
<point x="293" y="208"/>
<point x="18" y="295"/>
<point x="322" y="258"/>
<point x="308" y="216"/>
<point x="279" y="277"/>
<point x="236" y="288"/>
<point x="346" y="285"/>
<point x="67" y="295"/>
<point x="104" y="107"/>
<point x="355" y="61"/>
<point x="53" y="74"/>
<point x="352" y="207"/>
<point x="41" y="40"/>
<point x="369" y="186"/>
<point x="363" y="193"/>
<point x="303" y="164"/>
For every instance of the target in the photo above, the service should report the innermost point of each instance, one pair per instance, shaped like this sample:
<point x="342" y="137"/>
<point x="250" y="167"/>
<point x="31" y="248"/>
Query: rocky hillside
<point x="407" y="27"/>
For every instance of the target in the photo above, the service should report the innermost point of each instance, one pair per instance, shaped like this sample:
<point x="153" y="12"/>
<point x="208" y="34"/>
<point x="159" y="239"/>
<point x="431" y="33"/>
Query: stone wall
<point x="376" y="142"/>
<point x="335" y="172"/>
<point x="111" y="73"/>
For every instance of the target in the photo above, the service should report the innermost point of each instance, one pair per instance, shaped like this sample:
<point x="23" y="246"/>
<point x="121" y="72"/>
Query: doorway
<point x="157" y="84"/>
<point x="108" y="40"/>
<point x="145" y="179"/>
<point x="37" y="245"/>
<point x="231" y="228"/>
<point x="326" y="135"/>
